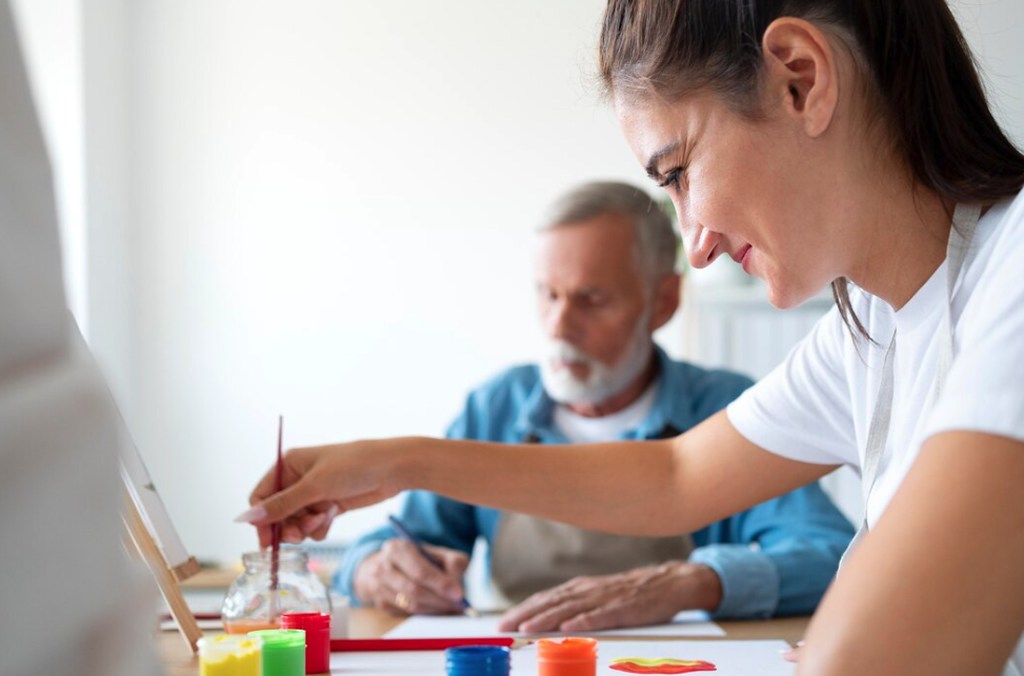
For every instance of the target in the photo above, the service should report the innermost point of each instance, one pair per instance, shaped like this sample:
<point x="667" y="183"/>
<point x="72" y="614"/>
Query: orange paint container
<point x="567" y="657"/>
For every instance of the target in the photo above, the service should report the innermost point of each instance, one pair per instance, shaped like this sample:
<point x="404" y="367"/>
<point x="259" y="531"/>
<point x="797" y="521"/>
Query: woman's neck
<point x="903" y="242"/>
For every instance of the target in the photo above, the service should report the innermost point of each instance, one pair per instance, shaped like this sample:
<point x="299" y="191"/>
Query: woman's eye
<point x="672" y="179"/>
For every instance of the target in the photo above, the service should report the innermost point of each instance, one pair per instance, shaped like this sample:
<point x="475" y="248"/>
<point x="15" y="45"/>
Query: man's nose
<point x="561" y="321"/>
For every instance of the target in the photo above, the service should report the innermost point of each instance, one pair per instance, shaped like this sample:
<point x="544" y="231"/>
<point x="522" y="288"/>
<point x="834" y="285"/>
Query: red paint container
<point x="318" y="638"/>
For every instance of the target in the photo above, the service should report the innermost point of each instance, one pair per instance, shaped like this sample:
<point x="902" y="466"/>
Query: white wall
<point x="330" y="206"/>
<point x="110" y="209"/>
<point x="321" y="209"/>
<point x="993" y="29"/>
<point x="51" y="39"/>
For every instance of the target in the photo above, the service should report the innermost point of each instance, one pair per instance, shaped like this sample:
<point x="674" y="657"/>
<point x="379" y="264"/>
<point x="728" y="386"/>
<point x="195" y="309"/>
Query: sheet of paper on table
<point x="731" y="658"/>
<point x="686" y="623"/>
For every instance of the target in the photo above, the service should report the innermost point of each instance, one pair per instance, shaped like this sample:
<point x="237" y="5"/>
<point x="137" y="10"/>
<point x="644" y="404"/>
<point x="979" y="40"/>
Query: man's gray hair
<point x="655" y="242"/>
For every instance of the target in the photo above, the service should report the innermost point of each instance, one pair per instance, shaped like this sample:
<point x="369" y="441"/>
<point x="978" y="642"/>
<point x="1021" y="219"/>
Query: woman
<point x="820" y="142"/>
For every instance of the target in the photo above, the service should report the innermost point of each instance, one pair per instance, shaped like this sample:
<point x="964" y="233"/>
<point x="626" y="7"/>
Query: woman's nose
<point x="703" y="246"/>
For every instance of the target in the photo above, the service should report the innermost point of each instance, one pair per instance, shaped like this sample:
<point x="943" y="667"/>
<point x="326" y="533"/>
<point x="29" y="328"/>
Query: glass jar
<point x="251" y="605"/>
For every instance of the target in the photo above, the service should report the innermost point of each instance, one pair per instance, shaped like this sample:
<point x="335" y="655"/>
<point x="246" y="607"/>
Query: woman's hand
<point x="322" y="482"/>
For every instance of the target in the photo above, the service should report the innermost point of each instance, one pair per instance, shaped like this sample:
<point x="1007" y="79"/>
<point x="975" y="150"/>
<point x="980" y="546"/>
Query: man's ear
<point x="802" y="70"/>
<point x="666" y="300"/>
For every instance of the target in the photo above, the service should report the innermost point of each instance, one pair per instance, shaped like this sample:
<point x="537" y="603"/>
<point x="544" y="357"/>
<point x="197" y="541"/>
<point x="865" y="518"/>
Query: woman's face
<point x="757" y="191"/>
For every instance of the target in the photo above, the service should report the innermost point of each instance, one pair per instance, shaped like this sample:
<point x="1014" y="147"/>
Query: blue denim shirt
<point x="774" y="559"/>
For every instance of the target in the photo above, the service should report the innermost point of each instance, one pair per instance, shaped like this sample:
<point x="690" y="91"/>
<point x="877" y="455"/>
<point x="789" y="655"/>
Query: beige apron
<point x="531" y="554"/>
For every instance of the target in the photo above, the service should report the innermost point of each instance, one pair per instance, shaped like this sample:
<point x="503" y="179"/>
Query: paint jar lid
<point x="224" y="646"/>
<point x="280" y="639"/>
<point x="477" y="660"/>
<point x="571" y="649"/>
<point x="312" y="621"/>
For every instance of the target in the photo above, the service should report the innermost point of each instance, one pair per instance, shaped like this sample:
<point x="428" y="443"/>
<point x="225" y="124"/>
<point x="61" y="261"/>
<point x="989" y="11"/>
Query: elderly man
<point x="606" y="280"/>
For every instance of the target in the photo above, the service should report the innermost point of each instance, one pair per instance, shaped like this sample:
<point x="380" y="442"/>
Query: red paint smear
<point x="689" y="668"/>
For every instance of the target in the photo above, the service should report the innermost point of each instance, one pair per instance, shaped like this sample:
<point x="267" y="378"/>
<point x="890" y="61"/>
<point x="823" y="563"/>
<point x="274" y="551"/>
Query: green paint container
<point x="284" y="651"/>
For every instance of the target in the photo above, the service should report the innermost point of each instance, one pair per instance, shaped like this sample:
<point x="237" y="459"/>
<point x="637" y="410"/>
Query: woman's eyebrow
<point x="652" y="164"/>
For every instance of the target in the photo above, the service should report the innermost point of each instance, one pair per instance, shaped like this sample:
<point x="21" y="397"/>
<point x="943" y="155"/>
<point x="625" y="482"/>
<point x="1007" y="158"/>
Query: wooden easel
<point x="168" y="578"/>
<point x="149" y="529"/>
<point x="147" y="526"/>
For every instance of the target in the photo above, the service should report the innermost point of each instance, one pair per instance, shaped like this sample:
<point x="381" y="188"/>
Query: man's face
<point x="594" y="309"/>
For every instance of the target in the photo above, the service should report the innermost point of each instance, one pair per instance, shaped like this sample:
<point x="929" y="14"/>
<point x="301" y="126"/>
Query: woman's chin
<point x="786" y="297"/>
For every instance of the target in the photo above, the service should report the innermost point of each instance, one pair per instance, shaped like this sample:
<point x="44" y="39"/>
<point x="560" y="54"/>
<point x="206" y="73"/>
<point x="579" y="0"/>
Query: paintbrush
<point x="275" y="530"/>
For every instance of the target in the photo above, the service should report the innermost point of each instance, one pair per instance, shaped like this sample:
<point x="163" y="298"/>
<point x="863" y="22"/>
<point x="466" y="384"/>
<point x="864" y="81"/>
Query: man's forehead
<point x="587" y="253"/>
<point x="602" y="225"/>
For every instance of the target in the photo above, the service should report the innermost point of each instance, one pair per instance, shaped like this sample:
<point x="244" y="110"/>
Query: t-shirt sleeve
<point x="984" y="390"/>
<point x="801" y="410"/>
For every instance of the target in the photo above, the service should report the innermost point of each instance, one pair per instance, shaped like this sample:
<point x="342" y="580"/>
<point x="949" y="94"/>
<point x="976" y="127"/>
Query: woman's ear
<point x="802" y="71"/>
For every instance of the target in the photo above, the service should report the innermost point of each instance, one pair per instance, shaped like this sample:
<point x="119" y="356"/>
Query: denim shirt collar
<point x="535" y="423"/>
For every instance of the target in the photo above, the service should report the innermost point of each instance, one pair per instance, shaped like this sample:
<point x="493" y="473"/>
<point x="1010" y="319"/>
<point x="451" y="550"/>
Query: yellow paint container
<point x="230" y="655"/>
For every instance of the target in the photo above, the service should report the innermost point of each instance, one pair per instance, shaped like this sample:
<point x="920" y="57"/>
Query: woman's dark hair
<point x="916" y="66"/>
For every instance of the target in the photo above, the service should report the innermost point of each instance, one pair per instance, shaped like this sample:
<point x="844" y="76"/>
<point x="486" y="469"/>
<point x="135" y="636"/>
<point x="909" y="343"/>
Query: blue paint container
<point x="477" y="660"/>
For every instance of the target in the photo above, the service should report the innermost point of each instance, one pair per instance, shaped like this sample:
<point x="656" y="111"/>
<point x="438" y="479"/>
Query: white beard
<point x="603" y="381"/>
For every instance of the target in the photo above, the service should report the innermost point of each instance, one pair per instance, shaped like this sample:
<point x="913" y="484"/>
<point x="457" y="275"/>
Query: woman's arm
<point x="937" y="586"/>
<point x="639" y="488"/>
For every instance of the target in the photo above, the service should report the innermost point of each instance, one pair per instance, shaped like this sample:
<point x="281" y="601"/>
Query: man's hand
<point x="638" y="597"/>
<point x="399" y="579"/>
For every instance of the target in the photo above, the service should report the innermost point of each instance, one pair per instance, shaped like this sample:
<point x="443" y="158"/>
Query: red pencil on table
<point x="376" y="644"/>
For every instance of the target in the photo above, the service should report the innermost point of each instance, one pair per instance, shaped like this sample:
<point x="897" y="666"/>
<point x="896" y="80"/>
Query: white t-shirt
<point x="579" y="429"/>
<point x="816" y="406"/>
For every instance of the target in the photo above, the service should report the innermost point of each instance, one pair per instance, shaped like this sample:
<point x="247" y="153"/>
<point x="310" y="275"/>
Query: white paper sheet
<point x="686" y="623"/>
<point x="732" y="658"/>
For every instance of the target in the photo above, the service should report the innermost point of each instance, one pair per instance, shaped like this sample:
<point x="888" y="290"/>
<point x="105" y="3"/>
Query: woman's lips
<point x="743" y="257"/>
<point x="745" y="261"/>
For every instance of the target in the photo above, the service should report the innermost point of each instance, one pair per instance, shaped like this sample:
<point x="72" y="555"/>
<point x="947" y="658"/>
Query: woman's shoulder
<point x="994" y="255"/>
<point x="1003" y="223"/>
<point x="983" y="390"/>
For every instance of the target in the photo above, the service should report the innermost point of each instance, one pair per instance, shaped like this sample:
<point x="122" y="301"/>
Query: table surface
<point x="370" y="623"/>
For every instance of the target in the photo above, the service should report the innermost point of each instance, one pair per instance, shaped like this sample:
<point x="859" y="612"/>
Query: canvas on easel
<point x="147" y="527"/>
<point x="150" y="530"/>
